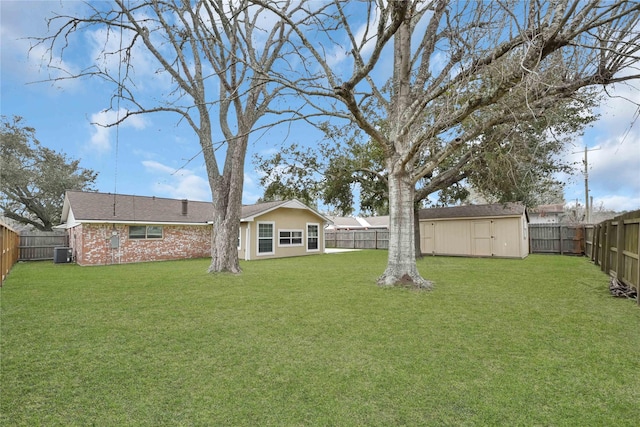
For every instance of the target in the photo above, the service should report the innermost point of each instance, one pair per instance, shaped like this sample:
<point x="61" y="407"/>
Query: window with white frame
<point x="265" y="238"/>
<point x="313" y="237"/>
<point x="289" y="237"/>
<point x="145" y="232"/>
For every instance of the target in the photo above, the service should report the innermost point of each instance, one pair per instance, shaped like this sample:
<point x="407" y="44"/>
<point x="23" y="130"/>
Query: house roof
<point x="250" y="212"/>
<point x="107" y="207"/>
<point x="474" y="211"/>
<point x="378" y="221"/>
<point x="557" y="208"/>
<point x="345" y="221"/>
<point x="90" y="206"/>
<point x="355" y="223"/>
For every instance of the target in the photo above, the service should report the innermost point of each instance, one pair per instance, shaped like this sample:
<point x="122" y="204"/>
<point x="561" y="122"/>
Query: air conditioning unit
<point x="61" y="255"/>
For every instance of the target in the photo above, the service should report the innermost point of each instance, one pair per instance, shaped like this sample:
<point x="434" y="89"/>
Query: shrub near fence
<point x="614" y="245"/>
<point x="9" y="242"/>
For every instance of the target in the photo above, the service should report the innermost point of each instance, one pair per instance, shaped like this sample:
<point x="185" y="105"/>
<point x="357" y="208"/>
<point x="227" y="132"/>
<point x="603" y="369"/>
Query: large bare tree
<point x="214" y="56"/>
<point x="444" y="73"/>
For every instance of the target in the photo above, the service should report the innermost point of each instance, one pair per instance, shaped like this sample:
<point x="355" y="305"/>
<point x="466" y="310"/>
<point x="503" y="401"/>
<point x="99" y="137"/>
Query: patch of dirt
<point x="407" y="282"/>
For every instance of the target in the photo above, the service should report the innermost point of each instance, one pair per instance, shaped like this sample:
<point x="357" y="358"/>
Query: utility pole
<point x="587" y="206"/>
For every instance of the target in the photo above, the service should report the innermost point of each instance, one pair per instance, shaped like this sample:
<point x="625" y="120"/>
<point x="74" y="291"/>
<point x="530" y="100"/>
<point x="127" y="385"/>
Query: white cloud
<point x="617" y="203"/>
<point x="178" y="184"/>
<point x="614" y="156"/>
<point x="22" y="57"/>
<point x="101" y="138"/>
<point x="615" y="166"/>
<point x="251" y="191"/>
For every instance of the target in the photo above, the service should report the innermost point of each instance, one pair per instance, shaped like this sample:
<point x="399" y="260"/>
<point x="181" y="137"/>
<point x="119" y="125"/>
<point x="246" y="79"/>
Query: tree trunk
<point x="227" y="206"/>
<point x="416" y="229"/>
<point x="401" y="265"/>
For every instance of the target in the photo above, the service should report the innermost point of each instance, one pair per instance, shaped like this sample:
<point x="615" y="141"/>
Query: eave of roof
<point x="251" y="212"/>
<point x="94" y="207"/>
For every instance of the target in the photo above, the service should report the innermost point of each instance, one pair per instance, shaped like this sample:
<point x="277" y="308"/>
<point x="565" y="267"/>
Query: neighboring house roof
<point x="107" y="207"/>
<point x="345" y="222"/>
<point x="357" y="223"/>
<point x="548" y="209"/>
<point x="378" y="221"/>
<point x="474" y="211"/>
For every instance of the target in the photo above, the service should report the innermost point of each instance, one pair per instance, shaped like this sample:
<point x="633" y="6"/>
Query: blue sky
<point x="146" y="156"/>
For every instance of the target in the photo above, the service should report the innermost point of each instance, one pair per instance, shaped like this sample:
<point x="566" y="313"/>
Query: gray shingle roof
<point x="92" y="206"/>
<point x="345" y="221"/>
<point x="473" y="211"/>
<point x="378" y="221"/>
<point x="258" y="208"/>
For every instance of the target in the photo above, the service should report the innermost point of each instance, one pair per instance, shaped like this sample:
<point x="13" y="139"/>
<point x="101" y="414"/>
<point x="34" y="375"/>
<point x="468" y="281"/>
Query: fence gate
<point x="556" y="239"/>
<point x="40" y="245"/>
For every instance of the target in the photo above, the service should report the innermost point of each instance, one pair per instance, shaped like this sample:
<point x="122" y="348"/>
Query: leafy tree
<point x="215" y="56"/>
<point x="33" y="178"/>
<point x="517" y="164"/>
<point x="459" y="69"/>
<point x="328" y="172"/>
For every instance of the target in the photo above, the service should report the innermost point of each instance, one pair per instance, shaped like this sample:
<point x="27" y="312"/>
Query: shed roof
<point x="474" y="211"/>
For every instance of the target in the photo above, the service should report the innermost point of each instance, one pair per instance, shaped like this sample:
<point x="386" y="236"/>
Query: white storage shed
<point x="496" y="230"/>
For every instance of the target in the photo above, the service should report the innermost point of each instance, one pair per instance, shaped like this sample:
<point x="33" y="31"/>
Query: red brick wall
<point x="75" y="242"/>
<point x="91" y="244"/>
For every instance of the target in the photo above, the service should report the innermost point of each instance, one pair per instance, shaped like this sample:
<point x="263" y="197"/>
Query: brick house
<point x="108" y="228"/>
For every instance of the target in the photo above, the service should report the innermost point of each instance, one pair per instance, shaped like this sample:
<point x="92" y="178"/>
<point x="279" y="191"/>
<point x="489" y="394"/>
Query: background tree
<point x="519" y="163"/>
<point x="458" y="70"/>
<point x="216" y="55"/>
<point x="331" y="172"/>
<point x="33" y="178"/>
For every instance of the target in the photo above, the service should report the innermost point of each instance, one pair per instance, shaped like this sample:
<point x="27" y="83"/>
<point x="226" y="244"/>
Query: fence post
<point x="605" y="247"/>
<point x="620" y="245"/>
<point x="638" y="268"/>
<point x="594" y="251"/>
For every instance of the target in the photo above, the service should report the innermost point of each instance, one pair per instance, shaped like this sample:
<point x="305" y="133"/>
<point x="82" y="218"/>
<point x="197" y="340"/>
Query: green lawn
<point x="313" y="341"/>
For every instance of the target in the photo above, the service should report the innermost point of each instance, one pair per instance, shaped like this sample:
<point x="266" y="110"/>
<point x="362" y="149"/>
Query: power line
<point x="628" y="131"/>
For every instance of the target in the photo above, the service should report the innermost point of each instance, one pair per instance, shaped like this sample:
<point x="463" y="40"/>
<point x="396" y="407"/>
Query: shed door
<point x="481" y="238"/>
<point x="427" y="245"/>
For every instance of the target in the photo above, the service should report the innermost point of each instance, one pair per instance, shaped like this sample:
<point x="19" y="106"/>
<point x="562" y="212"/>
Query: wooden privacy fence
<point x="556" y="239"/>
<point x="9" y="242"/>
<point x="614" y="245"/>
<point x="357" y="239"/>
<point x="41" y="245"/>
<point x="543" y="239"/>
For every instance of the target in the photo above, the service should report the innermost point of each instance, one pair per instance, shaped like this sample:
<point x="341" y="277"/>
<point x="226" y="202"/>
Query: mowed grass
<point x="313" y="341"/>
